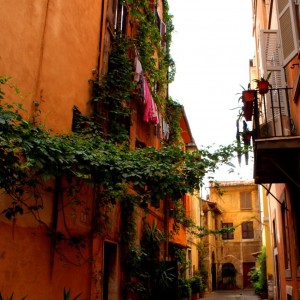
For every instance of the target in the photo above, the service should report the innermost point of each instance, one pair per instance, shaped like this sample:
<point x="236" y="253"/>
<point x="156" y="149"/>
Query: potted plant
<point x="247" y="97"/>
<point x="248" y="110"/>
<point x="184" y="288"/>
<point x="195" y="283"/>
<point x="263" y="84"/>
<point x="258" y="276"/>
<point x="248" y="94"/>
<point x="202" y="288"/>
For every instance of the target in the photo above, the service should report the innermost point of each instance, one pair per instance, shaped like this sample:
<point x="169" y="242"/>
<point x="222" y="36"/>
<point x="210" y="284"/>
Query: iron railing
<point x="271" y="115"/>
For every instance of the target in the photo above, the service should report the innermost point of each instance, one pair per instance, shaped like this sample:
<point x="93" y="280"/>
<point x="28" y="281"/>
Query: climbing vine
<point x="35" y="162"/>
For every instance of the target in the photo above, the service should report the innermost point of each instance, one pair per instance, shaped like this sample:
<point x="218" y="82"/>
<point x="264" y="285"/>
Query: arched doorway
<point x="228" y="276"/>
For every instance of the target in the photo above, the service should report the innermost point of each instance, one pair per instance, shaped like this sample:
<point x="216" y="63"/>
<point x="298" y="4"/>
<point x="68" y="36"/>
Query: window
<point x="227" y="235"/>
<point x="120" y="18"/>
<point x="161" y="26"/>
<point x="247" y="230"/>
<point x="245" y="200"/>
<point x="288" y="28"/>
<point x="275" y="104"/>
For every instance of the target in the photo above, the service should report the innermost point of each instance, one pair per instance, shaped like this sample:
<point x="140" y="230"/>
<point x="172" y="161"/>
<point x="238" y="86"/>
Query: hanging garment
<point x="148" y="102"/>
<point x="150" y="110"/>
<point x="138" y="69"/>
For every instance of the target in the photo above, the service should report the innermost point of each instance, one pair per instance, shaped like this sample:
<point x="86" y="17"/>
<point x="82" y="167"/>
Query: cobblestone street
<point x="233" y="294"/>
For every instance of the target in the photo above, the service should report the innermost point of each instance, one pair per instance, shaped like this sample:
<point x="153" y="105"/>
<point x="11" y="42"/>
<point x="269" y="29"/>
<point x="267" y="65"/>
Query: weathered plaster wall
<point x="49" y="47"/>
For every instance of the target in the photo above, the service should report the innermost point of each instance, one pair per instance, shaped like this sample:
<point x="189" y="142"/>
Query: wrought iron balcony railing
<point x="272" y="116"/>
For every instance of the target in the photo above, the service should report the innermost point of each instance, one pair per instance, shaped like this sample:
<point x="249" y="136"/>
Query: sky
<point x="211" y="45"/>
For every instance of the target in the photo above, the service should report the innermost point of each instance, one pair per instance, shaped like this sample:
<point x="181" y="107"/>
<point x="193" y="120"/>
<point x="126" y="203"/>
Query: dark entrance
<point x="213" y="272"/>
<point x="110" y="278"/>
<point x="247" y="266"/>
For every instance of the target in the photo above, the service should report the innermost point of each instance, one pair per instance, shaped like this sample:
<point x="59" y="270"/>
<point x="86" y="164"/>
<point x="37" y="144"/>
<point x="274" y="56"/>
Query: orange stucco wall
<point x="49" y="48"/>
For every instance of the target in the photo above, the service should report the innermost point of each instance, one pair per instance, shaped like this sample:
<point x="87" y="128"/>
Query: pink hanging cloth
<point x="150" y="110"/>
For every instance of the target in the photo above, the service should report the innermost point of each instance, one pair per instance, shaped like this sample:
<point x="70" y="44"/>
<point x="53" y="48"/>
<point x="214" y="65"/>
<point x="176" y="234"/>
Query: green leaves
<point x="11" y="297"/>
<point x="67" y="295"/>
<point x="27" y="153"/>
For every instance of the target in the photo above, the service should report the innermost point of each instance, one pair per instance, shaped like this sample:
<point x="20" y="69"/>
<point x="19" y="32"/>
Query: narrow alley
<point x="247" y="294"/>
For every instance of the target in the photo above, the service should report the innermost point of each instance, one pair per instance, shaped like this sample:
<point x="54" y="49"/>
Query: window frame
<point x="247" y="233"/>
<point x="227" y="235"/>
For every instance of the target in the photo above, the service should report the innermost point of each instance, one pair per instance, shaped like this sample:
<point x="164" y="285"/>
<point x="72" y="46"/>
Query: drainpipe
<point x="166" y="213"/>
<point x="101" y="35"/>
<point x="40" y="63"/>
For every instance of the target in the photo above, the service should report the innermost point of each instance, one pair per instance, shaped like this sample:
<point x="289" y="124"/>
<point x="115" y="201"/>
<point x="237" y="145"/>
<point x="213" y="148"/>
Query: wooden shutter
<point x="161" y="26"/>
<point x="288" y="30"/>
<point x="271" y="61"/>
<point x="245" y="200"/>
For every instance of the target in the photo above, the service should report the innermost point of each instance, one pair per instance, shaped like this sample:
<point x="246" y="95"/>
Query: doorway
<point x="247" y="266"/>
<point x="213" y="272"/>
<point x="110" y="272"/>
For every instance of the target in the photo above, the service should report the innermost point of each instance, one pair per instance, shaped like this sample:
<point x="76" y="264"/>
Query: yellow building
<point x="234" y="257"/>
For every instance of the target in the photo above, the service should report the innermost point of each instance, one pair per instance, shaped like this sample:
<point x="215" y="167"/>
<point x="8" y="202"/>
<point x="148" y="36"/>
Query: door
<point x="110" y="278"/>
<point x="247" y="266"/>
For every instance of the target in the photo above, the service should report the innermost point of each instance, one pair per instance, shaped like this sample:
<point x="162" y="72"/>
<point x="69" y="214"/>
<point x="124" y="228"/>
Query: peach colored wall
<point x="27" y="264"/>
<point x="49" y="47"/>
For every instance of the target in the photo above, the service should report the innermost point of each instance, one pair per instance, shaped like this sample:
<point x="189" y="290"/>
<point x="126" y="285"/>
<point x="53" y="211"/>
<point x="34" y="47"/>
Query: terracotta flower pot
<point x="248" y="95"/>
<point x="263" y="86"/>
<point x="248" y="110"/>
<point x="195" y="296"/>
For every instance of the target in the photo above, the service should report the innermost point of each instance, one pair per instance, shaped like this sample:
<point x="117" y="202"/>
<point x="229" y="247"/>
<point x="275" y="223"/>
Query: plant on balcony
<point x="247" y="97"/>
<point x="263" y="84"/>
<point x="247" y="94"/>
<point x="248" y="110"/>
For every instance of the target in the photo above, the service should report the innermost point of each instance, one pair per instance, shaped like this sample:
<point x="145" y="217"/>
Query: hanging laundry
<point x="154" y="118"/>
<point x="138" y="69"/>
<point x="148" y="102"/>
<point x="166" y="130"/>
<point x="150" y="110"/>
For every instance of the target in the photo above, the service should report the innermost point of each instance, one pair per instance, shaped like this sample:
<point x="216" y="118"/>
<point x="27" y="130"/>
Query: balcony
<point x="276" y="147"/>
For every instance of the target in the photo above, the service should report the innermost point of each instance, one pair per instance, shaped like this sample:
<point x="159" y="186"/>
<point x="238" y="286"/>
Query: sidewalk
<point x="247" y="294"/>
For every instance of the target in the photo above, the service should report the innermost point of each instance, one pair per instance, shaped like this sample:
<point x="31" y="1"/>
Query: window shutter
<point x="288" y="30"/>
<point x="245" y="200"/>
<point x="271" y="61"/>
<point x="161" y="28"/>
<point x="163" y="33"/>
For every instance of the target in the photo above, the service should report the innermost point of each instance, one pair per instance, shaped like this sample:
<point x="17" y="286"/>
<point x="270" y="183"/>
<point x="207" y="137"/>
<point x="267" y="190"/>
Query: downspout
<point x="57" y="194"/>
<point x="101" y="35"/>
<point x="91" y="250"/>
<point x="166" y="213"/>
<point x="40" y="63"/>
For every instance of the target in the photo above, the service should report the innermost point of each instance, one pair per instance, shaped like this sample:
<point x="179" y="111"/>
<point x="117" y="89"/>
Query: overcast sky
<point x="212" y="45"/>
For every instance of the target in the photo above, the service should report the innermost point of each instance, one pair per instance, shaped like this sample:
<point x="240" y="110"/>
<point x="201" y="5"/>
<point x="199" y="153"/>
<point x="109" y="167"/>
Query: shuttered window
<point x="161" y="26"/>
<point x="120" y="18"/>
<point x="245" y="200"/>
<point x="247" y="230"/>
<point x="274" y="106"/>
<point x="288" y="29"/>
